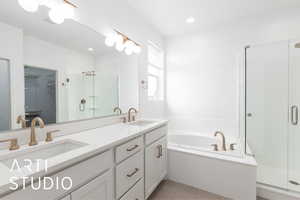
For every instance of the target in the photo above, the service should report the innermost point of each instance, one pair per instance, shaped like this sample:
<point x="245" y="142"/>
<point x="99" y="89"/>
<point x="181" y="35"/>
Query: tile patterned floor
<point x="169" y="190"/>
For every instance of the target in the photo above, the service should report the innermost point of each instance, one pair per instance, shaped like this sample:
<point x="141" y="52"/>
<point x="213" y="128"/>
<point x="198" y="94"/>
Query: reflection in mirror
<point x="40" y="94"/>
<point x="4" y="95"/>
<point x="59" y="72"/>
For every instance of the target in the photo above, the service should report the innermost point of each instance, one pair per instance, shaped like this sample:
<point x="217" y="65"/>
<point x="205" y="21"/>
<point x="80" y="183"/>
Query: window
<point x="155" y="72"/>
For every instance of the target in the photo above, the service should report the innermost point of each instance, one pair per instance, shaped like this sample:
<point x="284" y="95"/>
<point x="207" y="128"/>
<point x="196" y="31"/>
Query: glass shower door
<point x="266" y="110"/>
<point x="294" y="125"/>
<point x="5" y="113"/>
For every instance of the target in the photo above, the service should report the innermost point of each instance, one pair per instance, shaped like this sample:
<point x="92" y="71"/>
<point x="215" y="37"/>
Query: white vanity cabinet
<point x="81" y="174"/>
<point x="130" y="171"/>
<point x="155" y="164"/>
<point x="136" y="193"/>
<point x="101" y="188"/>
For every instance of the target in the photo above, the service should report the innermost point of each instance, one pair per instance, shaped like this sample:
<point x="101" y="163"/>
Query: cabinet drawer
<point x="99" y="188"/>
<point x="156" y="134"/>
<point x="128" y="173"/>
<point x="136" y="193"/>
<point x="79" y="173"/>
<point x="125" y="150"/>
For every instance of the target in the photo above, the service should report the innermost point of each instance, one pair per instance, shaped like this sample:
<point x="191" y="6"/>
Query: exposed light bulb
<point x="137" y="49"/>
<point x="56" y="15"/>
<point x="128" y="51"/>
<point x="119" y="42"/>
<point x="120" y="47"/>
<point x="29" y="5"/>
<point x="129" y="45"/>
<point x="67" y="10"/>
<point x="110" y="40"/>
<point x="119" y="39"/>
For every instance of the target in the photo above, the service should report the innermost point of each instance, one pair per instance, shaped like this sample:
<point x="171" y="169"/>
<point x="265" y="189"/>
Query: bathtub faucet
<point x="223" y="147"/>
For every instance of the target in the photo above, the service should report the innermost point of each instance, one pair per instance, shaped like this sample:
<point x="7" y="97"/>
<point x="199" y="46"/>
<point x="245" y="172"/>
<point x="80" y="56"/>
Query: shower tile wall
<point x="40" y="93"/>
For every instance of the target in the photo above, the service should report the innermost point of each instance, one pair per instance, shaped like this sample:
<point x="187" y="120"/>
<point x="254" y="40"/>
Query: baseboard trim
<point x="271" y="193"/>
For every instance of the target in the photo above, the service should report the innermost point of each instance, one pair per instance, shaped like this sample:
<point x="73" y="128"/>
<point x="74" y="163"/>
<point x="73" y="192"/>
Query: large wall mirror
<point x="60" y="72"/>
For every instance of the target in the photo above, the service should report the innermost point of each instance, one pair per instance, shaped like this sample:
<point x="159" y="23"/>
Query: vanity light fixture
<point x="122" y="42"/>
<point x="59" y="9"/>
<point x="29" y="5"/>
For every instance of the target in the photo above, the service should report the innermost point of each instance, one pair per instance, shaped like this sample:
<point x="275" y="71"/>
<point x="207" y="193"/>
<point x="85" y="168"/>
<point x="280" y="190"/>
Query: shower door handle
<point x="294" y="115"/>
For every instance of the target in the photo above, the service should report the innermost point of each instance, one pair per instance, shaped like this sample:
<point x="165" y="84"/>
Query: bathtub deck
<point x="169" y="190"/>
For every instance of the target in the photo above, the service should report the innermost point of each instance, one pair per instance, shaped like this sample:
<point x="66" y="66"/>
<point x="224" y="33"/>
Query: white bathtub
<point x="192" y="161"/>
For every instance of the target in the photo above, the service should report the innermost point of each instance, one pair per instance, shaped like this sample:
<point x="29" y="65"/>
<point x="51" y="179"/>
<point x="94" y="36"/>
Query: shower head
<point x="89" y="73"/>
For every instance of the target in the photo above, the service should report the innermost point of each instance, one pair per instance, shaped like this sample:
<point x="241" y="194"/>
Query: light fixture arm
<point x="70" y="3"/>
<point x="126" y="38"/>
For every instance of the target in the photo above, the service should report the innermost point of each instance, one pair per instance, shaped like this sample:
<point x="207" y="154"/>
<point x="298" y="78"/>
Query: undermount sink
<point x="142" y="123"/>
<point x="42" y="152"/>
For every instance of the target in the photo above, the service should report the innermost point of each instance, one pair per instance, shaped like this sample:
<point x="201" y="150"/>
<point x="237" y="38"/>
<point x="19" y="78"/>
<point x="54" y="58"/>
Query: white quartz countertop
<point x="96" y="141"/>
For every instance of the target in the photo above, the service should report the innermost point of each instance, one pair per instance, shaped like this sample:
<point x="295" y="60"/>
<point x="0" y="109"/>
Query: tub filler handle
<point x="232" y="146"/>
<point x="215" y="147"/>
<point x="294" y="183"/>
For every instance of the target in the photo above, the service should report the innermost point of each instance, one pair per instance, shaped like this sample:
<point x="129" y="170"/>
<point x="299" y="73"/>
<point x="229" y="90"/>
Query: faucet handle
<point x="215" y="147"/>
<point x="232" y="146"/>
<point x="49" y="137"/>
<point x="13" y="143"/>
<point x="124" y="119"/>
<point x="118" y="109"/>
<point x="21" y="120"/>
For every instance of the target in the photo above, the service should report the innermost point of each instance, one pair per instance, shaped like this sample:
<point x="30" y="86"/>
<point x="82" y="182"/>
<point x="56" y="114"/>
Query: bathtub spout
<point x="223" y="147"/>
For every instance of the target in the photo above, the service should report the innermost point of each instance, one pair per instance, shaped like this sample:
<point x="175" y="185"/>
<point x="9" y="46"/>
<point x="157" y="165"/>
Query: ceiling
<point x="70" y="34"/>
<point x="169" y="16"/>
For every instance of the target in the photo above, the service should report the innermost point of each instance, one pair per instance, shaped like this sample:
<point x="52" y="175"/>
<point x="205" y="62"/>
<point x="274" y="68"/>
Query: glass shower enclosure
<point x="272" y="100"/>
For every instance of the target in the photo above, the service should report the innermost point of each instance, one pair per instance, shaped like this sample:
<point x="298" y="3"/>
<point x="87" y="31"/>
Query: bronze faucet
<point x="131" y="118"/>
<point x="41" y="123"/>
<point x="223" y="147"/>
<point x="21" y="120"/>
<point x="118" y="109"/>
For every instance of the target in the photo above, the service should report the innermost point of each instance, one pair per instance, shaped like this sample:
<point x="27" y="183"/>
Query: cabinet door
<point x="100" y="188"/>
<point x="155" y="165"/>
<point x="294" y="134"/>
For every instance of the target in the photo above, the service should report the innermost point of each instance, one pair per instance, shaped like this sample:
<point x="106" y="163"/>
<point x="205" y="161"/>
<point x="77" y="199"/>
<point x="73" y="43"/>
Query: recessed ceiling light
<point x="190" y="20"/>
<point x="90" y="49"/>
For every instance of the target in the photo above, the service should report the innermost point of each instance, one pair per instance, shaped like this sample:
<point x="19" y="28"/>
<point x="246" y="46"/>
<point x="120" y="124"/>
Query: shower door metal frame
<point x="245" y="96"/>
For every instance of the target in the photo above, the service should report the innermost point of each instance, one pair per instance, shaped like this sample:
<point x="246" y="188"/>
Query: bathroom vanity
<point x="121" y="161"/>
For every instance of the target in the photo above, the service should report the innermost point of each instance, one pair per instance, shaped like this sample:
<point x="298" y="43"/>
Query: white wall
<point x="203" y="71"/>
